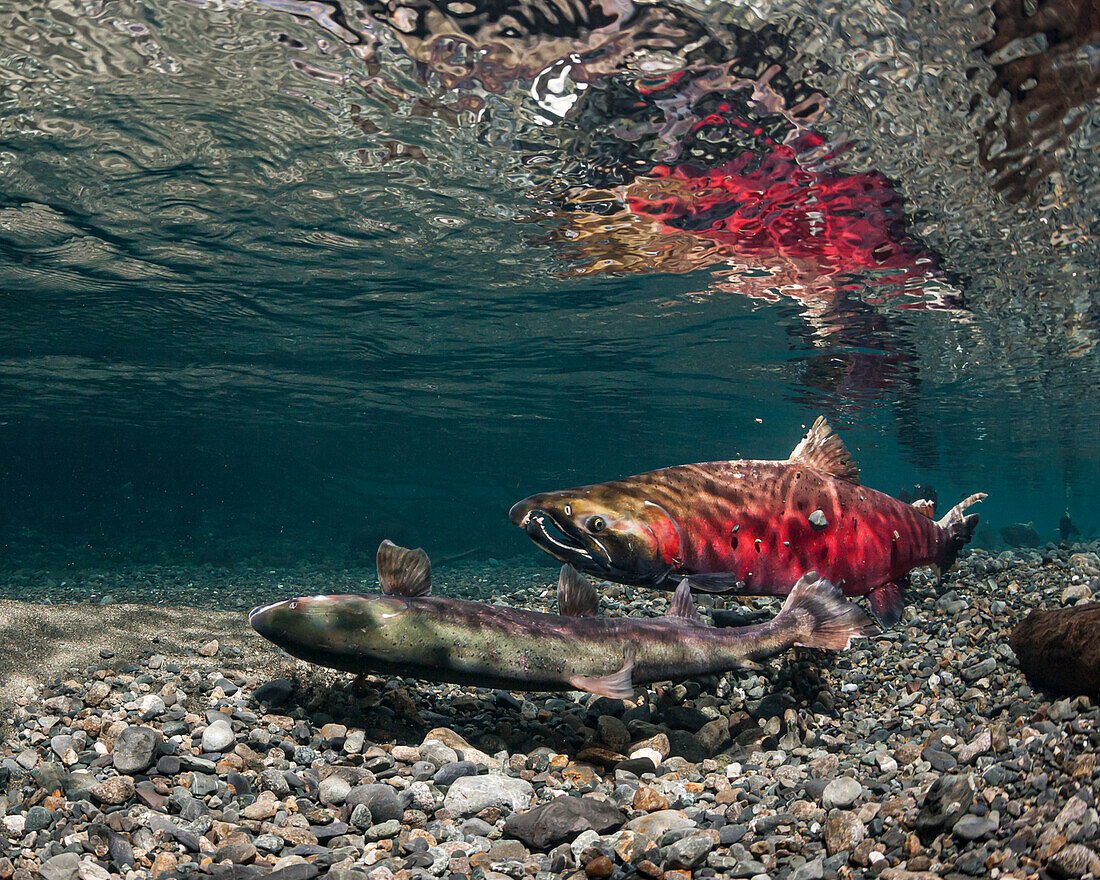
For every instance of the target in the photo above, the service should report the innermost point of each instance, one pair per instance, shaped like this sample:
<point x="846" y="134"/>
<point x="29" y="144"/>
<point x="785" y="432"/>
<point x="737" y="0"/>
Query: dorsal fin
<point x="925" y="506"/>
<point x="682" y="606"/>
<point x="403" y="572"/>
<point x="824" y="450"/>
<point x="576" y="595"/>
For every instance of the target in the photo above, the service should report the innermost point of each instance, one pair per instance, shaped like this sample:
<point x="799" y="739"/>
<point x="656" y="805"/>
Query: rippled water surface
<point x="282" y="278"/>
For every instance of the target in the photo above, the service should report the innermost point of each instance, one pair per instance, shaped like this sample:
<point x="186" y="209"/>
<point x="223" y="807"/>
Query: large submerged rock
<point x="1059" y="650"/>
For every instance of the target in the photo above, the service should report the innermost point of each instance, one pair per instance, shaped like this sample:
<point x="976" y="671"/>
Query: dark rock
<point x="382" y="801"/>
<point x="307" y="849"/>
<point x="689" y="852"/>
<point x="561" y="820"/>
<point x="637" y="766"/>
<point x="1059" y="650"/>
<point x="239" y="783"/>
<point x="448" y="773"/>
<point x="684" y="718"/>
<point x="947" y="800"/>
<point x="169" y="765"/>
<point x="37" y="818"/>
<point x="120" y="850"/>
<point x="135" y="749"/>
<point x="685" y="745"/>
<point x="237" y="872"/>
<point x="1021" y="535"/>
<point x="274" y="693"/>
<point x="197" y="765"/>
<point x="52" y="777"/>
<point x="327" y="832"/>
<point x="941" y="761"/>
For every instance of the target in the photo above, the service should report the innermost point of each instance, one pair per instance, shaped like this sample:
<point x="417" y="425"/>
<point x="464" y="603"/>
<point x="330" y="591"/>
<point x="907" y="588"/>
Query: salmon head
<point x="329" y="629"/>
<point x="613" y="535"/>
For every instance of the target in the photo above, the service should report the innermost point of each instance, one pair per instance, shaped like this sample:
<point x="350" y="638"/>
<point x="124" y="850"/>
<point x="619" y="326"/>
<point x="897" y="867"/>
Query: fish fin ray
<point x="826" y="618"/>
<point x="616" y="686"/>
<point x="576" y="595"/>
<point x="888" y="602"/>
<point x="715" y="582"/>
<point x="959" y="526"/>
<point x="403" y="572"/>
<point x="681" y="606"/>
<point x="925" y="506"/>
<point x="824" y="450"/>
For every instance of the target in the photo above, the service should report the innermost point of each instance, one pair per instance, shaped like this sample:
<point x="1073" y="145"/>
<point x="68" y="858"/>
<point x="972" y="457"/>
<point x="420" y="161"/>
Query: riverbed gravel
<point x="920" y="753"/>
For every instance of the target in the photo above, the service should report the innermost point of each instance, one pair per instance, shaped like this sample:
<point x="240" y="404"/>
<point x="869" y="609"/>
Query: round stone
<point x="333" y="790"/>
<point x="218" y="737"/>
<point x="135" y="749"/>
<point x="841" y="793"/>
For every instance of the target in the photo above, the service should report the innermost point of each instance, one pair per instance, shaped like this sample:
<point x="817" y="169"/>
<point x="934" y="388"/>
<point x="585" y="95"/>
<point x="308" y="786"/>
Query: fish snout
<point x="521" y="512"/>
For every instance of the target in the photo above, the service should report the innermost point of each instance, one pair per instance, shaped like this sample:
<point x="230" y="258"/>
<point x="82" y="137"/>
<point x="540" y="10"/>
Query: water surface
<point x="280" y="279"/>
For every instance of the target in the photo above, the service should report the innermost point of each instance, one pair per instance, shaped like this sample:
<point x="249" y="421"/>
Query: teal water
<point x="280" y="279"/>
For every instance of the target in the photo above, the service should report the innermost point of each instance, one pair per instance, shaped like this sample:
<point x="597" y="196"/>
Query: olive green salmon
<point x="409" y="633"/>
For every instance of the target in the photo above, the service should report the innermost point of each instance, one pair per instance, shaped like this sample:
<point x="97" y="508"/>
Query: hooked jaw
<point x="624" y="549"/>
<point x="559" y="536"/>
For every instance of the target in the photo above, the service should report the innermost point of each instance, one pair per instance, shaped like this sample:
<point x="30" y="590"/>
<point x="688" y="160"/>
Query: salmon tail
<point x="823" y="616"/>
<point x="958" y="528"/>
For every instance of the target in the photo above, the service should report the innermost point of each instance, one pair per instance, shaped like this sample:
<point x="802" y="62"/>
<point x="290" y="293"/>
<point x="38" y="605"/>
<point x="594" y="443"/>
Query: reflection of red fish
<point x="750" y="527"/>
<point x="771" y="205"/>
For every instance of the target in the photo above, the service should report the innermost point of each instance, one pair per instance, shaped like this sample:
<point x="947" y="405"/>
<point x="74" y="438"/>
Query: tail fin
<point x="959" y="529"/>
<point x="823" y="616"/>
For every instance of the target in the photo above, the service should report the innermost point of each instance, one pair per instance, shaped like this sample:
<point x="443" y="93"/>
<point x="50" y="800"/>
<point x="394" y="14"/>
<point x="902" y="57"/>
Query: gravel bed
<point x="174" y="743"/>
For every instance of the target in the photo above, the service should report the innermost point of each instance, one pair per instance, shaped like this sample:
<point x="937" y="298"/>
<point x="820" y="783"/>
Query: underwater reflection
<point x="680" y="143"/>
<point x="1046" y="79"/>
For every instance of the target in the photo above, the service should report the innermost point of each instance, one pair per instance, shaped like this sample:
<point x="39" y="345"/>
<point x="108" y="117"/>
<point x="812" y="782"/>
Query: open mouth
<point x="562" y="540"/>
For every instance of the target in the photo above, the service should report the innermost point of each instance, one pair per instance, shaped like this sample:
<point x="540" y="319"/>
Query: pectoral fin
<point x="888" y="602"/>
<point x="716" y="582"/>
<point x="576" y="595"/>
<point x="616" y="686"/>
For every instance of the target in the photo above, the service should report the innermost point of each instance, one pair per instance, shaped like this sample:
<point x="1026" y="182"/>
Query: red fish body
<point x="749" y="527"/>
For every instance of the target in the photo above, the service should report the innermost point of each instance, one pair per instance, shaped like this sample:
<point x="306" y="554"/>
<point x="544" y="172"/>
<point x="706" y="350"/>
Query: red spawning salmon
<point x="750" y="527"/>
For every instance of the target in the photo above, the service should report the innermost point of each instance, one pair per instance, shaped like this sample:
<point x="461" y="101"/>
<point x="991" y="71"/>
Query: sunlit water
<point x="280" y="279"/>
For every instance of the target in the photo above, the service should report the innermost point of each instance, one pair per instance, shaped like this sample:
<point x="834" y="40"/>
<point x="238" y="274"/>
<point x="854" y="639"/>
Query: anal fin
<point x="616" y="686"/>
<point x="888" y="602"/>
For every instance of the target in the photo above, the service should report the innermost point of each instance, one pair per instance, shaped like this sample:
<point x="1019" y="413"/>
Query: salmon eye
<point x="595" y="524"/>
